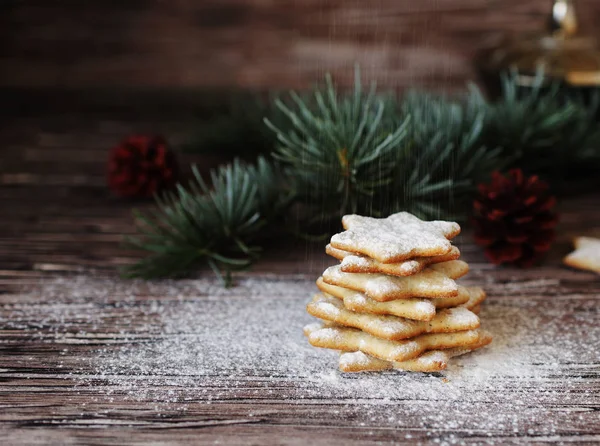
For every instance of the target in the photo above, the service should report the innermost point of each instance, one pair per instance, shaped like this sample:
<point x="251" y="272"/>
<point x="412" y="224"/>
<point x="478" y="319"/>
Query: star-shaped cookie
<point x="353" y="263"/>
<point x="437" y="281"/>
<point x="396" y="238"/>
<point x="586" y="255"/>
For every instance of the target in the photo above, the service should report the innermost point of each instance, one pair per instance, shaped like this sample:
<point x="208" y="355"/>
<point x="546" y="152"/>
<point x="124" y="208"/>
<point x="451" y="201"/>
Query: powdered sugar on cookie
<point x="432" y="361"/>
<point x="353" y="263"/>
<point x="416" y="309"/>
<point x="331" y="309"/>
<point x="350" y="339"/>
<point x="428" y="283"/>
<point x="396" y="238"/>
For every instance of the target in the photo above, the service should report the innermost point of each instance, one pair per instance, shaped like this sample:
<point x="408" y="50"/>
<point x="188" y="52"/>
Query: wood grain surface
<point x="256" y="43"/>
<point x="88" y="358"/>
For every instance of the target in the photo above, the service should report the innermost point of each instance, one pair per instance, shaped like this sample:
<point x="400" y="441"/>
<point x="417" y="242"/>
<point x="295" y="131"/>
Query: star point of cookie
<point x="337" y="337"/>
<point x="396" y="238"/>
<point x="586" y="255"/>
<point x="431" y="361"/>
<point x="329" y="308"/>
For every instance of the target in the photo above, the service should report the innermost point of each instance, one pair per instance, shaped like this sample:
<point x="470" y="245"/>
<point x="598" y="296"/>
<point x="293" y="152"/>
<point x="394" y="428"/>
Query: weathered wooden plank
<point x="61" y="350"/>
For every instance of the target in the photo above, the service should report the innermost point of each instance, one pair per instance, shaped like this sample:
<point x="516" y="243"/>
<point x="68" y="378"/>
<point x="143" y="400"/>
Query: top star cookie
<point x="396" y="238"/>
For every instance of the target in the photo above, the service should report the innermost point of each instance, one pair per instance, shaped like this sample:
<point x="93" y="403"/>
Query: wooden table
<point x="88" y="358"/>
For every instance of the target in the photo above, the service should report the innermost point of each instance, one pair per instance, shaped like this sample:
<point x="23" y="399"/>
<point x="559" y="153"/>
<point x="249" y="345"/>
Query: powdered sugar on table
<point x="180" y="344"/>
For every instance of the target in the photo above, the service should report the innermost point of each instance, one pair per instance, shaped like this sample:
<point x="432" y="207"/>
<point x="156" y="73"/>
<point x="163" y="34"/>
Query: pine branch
<point x="543" y="131"/>
<point x="338" y="149"/>
<point x="208" y="226"/>
<point x="368" y="154"/>
<point x="447" y="157"/>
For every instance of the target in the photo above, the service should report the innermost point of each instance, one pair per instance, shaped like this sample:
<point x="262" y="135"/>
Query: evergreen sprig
<point x="368" y="154"/>
<point x="543" y="131"/>
<point x="445" y="159"/>
<point x="339" y="150"/>
<point x="215" y="226"/>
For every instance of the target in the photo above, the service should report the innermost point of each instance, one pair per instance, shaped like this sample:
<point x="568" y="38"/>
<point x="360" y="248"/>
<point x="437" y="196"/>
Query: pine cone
<point x="141" y="166"/>
<point x="514" y="219"/>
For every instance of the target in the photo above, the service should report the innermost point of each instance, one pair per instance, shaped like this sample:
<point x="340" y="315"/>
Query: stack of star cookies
<point x="393" y="302"/>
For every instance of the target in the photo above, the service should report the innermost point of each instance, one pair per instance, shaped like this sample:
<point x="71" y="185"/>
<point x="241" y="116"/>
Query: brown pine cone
<point x="513" y="218"/>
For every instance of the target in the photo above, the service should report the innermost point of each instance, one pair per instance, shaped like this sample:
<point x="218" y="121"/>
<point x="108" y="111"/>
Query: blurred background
<point x="265" y="44"/>
<point x="77" y="77"/>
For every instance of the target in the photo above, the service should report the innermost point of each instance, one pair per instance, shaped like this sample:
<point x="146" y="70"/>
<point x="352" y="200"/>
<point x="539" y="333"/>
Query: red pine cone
<point x="514" y="219"/>
<point x="141" y="166"/>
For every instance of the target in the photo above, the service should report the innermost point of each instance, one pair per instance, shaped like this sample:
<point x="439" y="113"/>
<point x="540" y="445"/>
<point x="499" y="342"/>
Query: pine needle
<point x="212" y="226"/>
